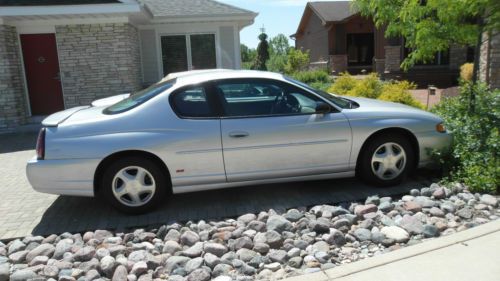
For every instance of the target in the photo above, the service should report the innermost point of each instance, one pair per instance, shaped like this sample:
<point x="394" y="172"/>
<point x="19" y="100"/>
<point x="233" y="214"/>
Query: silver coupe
<point x="211" y="129"/>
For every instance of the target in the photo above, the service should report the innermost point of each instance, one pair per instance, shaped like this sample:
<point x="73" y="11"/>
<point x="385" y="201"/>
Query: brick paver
<point x="24" y="211"/>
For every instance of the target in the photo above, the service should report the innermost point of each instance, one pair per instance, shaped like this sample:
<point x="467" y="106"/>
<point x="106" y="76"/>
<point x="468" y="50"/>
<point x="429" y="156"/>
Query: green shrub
<point x="372" y="87"/>
<point x="296" y="61"/>
<point x="343" y="84"/>
<point x="474" y="157"/>
<point x="312" y="76"/>
<point x="400" y="92"/>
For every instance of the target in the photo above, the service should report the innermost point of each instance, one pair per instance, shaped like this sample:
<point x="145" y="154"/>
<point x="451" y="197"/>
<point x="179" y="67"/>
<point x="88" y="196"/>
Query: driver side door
<point x="270" y="130"/>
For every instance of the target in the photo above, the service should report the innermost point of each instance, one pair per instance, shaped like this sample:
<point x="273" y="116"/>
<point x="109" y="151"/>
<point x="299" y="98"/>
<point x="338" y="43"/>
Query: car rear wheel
<point x="386" y="160"/>
<point x="134" y="185"/>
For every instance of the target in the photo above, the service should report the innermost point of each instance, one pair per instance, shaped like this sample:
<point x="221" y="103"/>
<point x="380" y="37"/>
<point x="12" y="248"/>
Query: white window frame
<point x="188" y="48"/>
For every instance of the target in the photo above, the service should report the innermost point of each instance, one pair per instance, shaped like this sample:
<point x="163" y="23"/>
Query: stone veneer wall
<point x="98" y="60"/>
<point x="12" y="96"/>
<point x="392" y="58"/>
<point x="489" y="63"/>
<point x="338" y="63"/>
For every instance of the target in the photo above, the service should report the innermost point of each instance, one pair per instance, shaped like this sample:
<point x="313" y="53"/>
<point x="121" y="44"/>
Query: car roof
<point x="197" y="76"/>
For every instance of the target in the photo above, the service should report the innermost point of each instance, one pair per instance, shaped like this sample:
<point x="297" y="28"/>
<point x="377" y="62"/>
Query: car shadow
<point x="77" y="214"/>
<point x="12" y="142"/>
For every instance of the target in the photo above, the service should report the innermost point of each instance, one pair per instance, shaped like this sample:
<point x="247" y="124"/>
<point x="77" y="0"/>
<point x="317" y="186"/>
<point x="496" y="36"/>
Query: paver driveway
<point x="24" y="211"/>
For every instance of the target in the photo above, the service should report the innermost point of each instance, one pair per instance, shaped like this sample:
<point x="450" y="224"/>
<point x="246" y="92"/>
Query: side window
<point x="191" y="102"/>
<point x="244" y="98"/>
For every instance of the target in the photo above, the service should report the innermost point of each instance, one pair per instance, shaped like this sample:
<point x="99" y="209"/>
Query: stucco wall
<point x="314" y="39"/>
<point x="12" y="95"/>
<point x="98" y="60"/>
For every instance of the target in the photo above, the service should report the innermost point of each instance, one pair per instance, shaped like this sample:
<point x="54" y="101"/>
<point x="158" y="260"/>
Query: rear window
<point x="139" y="97"/>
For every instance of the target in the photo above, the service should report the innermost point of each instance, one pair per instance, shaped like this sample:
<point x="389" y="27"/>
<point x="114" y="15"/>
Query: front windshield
<point x="139" y="97"/>
<point x="340" y="102"/>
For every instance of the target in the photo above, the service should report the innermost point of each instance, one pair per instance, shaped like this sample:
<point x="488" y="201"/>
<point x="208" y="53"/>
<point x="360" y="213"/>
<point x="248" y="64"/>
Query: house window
<point x="188" y="52"/>
<point x="440" y="58"/>
<point x="360" y="49"/>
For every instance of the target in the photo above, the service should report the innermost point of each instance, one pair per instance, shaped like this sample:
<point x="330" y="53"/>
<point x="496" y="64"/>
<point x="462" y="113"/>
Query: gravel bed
<point x="264" y="246"/>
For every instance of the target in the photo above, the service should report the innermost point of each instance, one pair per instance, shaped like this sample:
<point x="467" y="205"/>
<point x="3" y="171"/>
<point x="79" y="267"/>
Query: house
<point x="57" y="54"/>
<point x="336" y="33"/>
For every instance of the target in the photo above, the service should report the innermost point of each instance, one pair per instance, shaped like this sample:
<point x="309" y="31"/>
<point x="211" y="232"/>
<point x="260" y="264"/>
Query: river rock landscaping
<point x="264" y="246"/>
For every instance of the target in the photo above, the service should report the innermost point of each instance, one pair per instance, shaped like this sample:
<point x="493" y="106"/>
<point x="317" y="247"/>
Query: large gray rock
<point x="171" y="247"/>
<point x="430" y="231"/>
<point x="193" y="264"/>
<point x="175" y="262"/>
<point x="108" y="265"/>
<point x="362" y="234"/>
<point x="120" y="273"/>
<point x="295" y="262"/>
<point x="411" y="224"/>
<point x="273" y="239"/>
<point x="199" y="275"/>
<point x="278" y="256"/>
<point x="278" y="224"/>
<point x="16" y="246"/>
<point x="243" y="242"/>
<point x="293" y="215"/>
<point x="84" y="254"/>
<point x="360" y="210"/>
<point x="62" y="247"/>
<point x="51" y="271"/>
<point x="395" y="233"/>
<point x="221" y="269"/>
<point x="18" y="257"/>
<point x="336" y="238"/>
<point x="139" y="268"/>
<point x="194" y="251"/>
<point x="22" y="275"/>
<point x="211" y="260"/>
<point x="320" y="225"/>
<point x="246" y="255"/>
<point x="465" y="213"/>
<point x="489" y="200"/>
<point x="172" y="235"/>
<point x="189" y="238"/>
<point x="215" y="248"/>
<point x="247" y="218"/>
<point x="42" y="250"/>
<point x="4" y="271"/>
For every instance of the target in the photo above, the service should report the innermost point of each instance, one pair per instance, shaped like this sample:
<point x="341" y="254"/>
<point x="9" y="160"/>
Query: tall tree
<point x="262" y="53"/>
<point x="430" y="26"/>
<point x="279" y="45"/>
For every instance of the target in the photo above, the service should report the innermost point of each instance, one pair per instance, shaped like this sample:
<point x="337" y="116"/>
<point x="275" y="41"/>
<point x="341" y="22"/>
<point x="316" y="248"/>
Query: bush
<point x="296" y="61"/>
<point x="474" y="157"/>
<point x="400" y="92"/>
<point x="466" y="71"/>
<point x="313" y="76"/>
<point x="373" y="87"/>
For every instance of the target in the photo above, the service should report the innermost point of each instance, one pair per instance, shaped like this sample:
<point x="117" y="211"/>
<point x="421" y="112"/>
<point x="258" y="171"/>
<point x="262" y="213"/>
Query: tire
<point x="380" y="168"/>
<point x="146" y="188"/>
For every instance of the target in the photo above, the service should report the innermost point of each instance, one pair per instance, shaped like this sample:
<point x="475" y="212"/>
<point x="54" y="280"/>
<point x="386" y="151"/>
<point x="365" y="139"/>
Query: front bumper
<point x="64" y="177"/>
<point x="432" y="141"/>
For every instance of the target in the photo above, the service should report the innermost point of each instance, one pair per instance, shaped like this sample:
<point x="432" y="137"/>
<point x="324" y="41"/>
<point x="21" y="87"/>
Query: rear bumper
<point x="64" y="177"/>
<point x="432" y="141"/>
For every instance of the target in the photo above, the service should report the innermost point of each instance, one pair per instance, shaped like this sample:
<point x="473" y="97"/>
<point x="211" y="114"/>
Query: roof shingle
<point x="333" y="11"/>
<point x="180" y="8"/>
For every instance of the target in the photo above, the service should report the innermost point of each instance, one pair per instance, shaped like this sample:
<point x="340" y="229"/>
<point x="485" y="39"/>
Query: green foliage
<point x="312" y="77"/>
<point x="278" y="53"/>
<point x="372" y="87"/>
<point x="247" y="54"/>
<point x="474" y="157"/>
<point x="262" y="53"/>
<point x="297" y="61"/>
<point x="432" y="27"/>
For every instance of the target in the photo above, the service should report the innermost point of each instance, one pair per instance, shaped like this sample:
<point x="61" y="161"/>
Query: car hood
<point x="387" y="108"/>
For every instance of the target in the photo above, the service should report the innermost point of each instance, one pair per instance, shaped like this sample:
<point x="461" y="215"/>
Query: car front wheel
<point x="386" y="160"/>
<point x="133" y="185"/>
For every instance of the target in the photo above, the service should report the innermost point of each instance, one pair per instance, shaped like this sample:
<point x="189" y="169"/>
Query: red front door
<point x="42" y="73"/>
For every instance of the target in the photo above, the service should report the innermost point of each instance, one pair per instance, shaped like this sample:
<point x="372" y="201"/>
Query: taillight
<point x="40" y="145"/>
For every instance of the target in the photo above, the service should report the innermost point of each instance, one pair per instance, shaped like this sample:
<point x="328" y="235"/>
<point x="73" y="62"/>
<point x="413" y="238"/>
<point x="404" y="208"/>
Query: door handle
<point x="238" y="134"/>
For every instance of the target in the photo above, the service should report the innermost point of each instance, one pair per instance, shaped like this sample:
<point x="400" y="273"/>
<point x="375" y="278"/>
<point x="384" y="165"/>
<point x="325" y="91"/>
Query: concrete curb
<point x="412" y="251"/>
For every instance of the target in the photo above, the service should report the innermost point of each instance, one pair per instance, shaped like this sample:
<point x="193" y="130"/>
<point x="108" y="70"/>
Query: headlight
<point x="441" y="128"/>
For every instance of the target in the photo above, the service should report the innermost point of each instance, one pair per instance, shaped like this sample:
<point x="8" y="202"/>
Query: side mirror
<point x="322" y="107"/>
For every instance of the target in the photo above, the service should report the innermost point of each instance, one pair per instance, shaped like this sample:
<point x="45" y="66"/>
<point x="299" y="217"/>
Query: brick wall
<point x="458" y="56"/>
<point x="12" y="95"/>
<point x="489" y="63"/>
<point x="392" y="58"/>
<point x="98" y="60"/>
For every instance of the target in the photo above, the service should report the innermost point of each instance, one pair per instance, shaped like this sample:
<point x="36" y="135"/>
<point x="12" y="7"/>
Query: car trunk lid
<point x="57" y="118"/>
